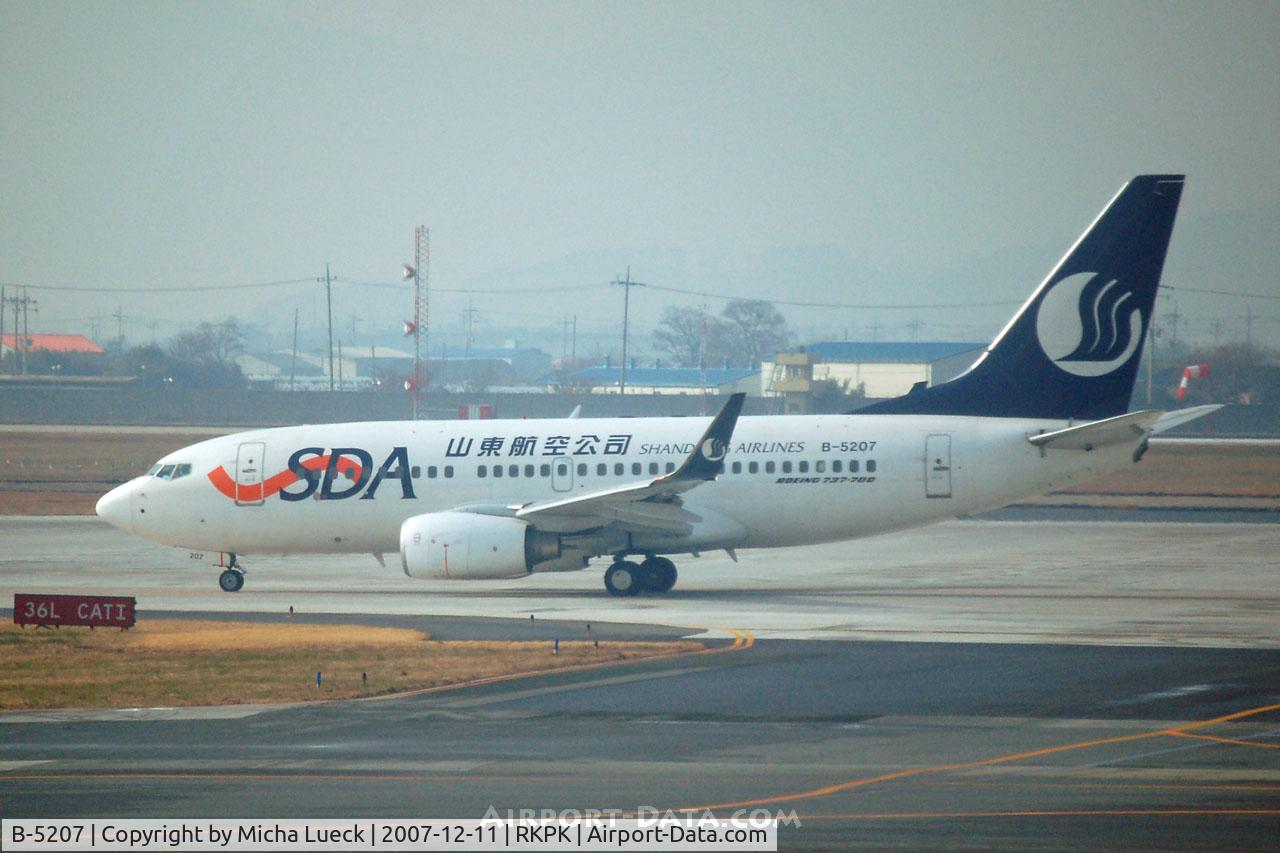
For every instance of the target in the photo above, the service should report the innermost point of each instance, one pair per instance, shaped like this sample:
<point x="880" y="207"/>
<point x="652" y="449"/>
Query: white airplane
<point x="1045" y="405"/>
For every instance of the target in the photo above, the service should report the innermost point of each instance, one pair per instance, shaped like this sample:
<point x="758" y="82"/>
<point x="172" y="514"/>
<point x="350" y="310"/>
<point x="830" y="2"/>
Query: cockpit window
<point x="170" y="472"/>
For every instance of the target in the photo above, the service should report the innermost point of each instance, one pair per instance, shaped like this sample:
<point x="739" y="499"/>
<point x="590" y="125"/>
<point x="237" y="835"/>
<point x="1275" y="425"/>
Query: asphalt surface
<point x="1150" y="721"/>
<point x="1119" y="581"/>
<point x="868" y="744"/>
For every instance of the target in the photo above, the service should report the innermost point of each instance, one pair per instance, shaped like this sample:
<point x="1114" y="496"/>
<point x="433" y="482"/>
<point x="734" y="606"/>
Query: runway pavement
<point x="1126" y="582"/>
<point x="1076" y="685"/>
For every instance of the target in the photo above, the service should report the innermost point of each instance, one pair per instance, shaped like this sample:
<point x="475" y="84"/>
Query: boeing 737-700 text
<point x="1045" y="405"/>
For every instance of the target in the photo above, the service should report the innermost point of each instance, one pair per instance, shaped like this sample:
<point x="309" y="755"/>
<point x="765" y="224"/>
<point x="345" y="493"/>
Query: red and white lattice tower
<point x="421" y="304"/>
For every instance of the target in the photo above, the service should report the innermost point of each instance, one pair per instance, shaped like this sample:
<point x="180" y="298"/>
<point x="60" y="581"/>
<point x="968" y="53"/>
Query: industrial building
<point x="871" y="369"/>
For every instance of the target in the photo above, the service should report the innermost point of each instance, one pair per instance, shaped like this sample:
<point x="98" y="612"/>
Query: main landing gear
<point x="627" y="578"/>
<point x="232" y="577"/>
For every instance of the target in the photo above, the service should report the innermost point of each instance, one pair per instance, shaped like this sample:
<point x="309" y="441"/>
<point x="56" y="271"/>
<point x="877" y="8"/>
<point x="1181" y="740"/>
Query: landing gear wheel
<point x="624" y="578"/>
<point x="659" y="574"/>
<point x="231" y="580"/>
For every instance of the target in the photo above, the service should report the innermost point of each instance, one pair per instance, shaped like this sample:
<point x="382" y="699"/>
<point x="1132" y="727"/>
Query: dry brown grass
<point x="1220" y="470"/>
<point x="64" y="473"/>
<point x="176" y="662"/>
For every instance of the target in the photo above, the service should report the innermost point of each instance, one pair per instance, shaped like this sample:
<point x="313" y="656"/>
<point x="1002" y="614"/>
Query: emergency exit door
<point x="562" y="475"/>
<point x="937" y="466"/>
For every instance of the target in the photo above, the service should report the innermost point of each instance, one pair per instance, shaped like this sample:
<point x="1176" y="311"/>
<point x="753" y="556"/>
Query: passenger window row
<point x="804" y="466"/>
<point x="432" y="472"/>
<point x="562" y="469"/>
<point x="836" y="466"/>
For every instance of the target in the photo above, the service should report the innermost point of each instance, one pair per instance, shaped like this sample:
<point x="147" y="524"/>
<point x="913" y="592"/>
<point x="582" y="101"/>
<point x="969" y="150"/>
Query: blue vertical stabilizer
<point x="1072" y="350"/>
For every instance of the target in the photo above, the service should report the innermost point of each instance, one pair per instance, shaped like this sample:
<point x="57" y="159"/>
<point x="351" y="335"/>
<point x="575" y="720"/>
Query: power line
<point x="194" y="289"/>
<point x="537" y="290"/>
<point x="384" y="285"/>
<point x="528" y="291"/>
<point x="1223" y="292"/>
<point x="735" y="297"/>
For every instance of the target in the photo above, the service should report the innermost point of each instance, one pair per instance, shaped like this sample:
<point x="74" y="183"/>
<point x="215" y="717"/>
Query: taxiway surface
<point x="1078" y="581"/>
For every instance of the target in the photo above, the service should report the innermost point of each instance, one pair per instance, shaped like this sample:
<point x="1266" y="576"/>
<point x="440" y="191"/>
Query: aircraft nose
<point x="116" y="507"/>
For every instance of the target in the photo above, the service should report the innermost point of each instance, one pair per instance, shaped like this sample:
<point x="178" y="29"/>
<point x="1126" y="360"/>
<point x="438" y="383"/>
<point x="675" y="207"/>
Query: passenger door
<point x="249" y="466"/>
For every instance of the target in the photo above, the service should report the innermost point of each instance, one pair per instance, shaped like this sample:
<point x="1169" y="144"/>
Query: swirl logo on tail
<point x="1088" y="324"/>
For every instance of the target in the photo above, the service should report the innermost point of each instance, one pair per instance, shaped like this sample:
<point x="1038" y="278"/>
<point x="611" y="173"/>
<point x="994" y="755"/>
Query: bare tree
<point x="210" y="343"/>
<point x="758" y="330"/>
<point x="688" y="335"/>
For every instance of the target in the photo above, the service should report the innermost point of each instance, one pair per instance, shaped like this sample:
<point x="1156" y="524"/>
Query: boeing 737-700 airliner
<point x="1046" y="404"/>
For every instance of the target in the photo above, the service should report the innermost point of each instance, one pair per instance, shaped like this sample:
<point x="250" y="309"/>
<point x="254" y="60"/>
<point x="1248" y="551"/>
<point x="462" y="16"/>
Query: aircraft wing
<point x="650" y="505"/>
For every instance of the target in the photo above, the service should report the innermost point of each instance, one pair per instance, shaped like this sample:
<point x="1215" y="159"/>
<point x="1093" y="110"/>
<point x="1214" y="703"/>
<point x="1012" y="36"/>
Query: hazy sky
<point x="848" y="152"/>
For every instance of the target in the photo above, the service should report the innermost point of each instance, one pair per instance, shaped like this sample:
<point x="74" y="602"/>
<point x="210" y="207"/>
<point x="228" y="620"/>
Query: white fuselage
<point x="788" y="480"/>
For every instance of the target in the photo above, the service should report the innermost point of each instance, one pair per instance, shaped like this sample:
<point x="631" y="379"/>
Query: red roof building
<point x="52" y="343"/>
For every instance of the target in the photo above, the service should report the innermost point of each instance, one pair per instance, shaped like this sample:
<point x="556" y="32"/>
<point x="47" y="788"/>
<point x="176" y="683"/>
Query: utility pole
<point x="915" y="326"/>
<point x="1152" y="334"/>
<point x="468" y="317"/>
<point x="328" y="298"/>
<point x="3" y="301"/>
<point x="702" y="358"/>
<point x="626" y="286"/>
<point x="1248" y="325"/>
<point x="26" y="328"/>
<point x="21" y="326"/>
<point x="1174" y="318"/>
<point x="293" y="362"/>
<point x="569" y="339"/>
<point x="339" y="364"/>
<point x="119" y="318"/>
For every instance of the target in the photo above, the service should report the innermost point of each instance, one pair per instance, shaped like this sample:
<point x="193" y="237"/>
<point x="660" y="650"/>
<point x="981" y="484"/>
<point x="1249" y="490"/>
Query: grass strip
<point x="163" y="663"/>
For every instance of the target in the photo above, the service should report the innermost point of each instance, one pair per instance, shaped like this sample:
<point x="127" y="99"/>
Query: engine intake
<point x="464" y="545"/>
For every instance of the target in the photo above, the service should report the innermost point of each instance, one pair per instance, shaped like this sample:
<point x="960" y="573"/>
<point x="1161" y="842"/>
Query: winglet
<point x="707" y="459"/>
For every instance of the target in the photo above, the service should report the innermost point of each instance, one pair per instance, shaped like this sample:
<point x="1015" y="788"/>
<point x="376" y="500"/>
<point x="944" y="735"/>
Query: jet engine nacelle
<point x="464" y="545"/>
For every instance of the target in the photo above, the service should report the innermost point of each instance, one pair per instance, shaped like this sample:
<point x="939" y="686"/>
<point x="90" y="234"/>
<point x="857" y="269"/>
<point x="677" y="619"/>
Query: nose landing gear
<point x="232" y="577"/>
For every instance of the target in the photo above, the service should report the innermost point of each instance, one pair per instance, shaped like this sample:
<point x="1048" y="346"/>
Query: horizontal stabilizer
<point x="1169" y="420"/>
<point x="1123" y="428"/>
